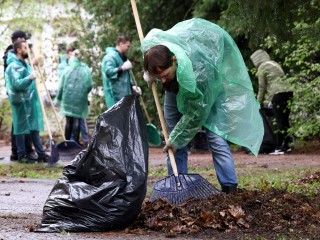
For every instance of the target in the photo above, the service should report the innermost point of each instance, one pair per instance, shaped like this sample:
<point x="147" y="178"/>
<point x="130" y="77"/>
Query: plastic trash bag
<point x="105" y="185"/>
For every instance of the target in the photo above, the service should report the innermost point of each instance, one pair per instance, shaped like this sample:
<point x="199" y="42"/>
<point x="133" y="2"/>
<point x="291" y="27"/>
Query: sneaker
<point x="14" y="157"/>
<point x="45" y="158"/>
<point x="25" y="159"/>
<point x="286" y="149"/>
<point x="277" y="152"/>
<point x="32" y="156"/>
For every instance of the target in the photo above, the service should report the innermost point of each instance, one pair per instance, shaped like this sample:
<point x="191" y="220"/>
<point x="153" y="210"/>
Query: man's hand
<point x="35" y="61"/>
<point x="33" y="75"/>
<point x="169" y="145"/>
<point x="148" y="79"/>
<point x="137" y="90"/>
<point x="126" y="65"/>
<point x="56" y="103"/>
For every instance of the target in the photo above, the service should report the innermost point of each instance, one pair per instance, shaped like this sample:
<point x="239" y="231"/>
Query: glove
<point x="33" y="75"/>
<point x="169" y="145"/>
<point x="126" y="65"/>
<point x="56" y="104"/>
<point x="149" y="80"/>
<point x="137" y="90"/>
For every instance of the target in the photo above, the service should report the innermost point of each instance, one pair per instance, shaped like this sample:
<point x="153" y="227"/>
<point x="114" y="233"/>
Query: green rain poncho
<point x="215" y="90"/>
<point x="62" y="65"/>
<point x="115" y="86"/>
<point x="23" y="97"/>
<point x="74" y="86"/>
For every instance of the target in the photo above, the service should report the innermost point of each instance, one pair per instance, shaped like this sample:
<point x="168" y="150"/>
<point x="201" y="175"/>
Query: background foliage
<point x="288" y="30"/>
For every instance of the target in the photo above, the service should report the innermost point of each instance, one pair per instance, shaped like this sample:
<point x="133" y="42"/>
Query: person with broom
<point x="116" y="77"/>
<point x="7" y="57"/>
<point x="206" y="84"/>
<point x="24" y="100"/>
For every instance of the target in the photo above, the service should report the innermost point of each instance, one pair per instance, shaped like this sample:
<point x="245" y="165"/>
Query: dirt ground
<point x="245" y="215"/>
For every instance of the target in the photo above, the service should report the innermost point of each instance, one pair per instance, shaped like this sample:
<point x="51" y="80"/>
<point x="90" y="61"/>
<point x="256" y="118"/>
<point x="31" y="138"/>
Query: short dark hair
<point x="18" y="34"/>
<point x="17" y="44"/>
<point x="70" y="48"/>
<point x="157" y="59"/>
<point x="122" y="39"/>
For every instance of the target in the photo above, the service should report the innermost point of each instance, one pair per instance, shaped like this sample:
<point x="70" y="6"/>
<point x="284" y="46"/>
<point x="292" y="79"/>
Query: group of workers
<point x="206" y="85"/>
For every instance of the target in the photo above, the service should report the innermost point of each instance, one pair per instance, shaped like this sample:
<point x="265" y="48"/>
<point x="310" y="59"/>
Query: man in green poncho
<point x="24" y="101"/>
<point x="7" y="58"/>
<point x="206" y="84"/>
<point x="74" y="87"/>
<point x="116" y="77"/>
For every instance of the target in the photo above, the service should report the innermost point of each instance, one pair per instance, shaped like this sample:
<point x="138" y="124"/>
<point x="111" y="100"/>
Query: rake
<point x="177" y="187"/>
<point x="54" y="154"/>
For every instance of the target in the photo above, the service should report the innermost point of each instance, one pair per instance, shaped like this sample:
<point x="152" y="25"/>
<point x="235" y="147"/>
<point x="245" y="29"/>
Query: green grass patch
<point x="30" y="171"/>
<point x="249" y="177"/>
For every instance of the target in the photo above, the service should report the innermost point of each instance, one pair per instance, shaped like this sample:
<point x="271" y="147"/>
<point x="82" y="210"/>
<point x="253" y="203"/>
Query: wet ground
<point x="239" y="216"/>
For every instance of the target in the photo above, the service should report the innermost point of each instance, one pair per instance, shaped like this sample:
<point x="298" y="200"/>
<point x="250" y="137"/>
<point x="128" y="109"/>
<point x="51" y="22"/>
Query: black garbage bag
<point x="105" y="185"/>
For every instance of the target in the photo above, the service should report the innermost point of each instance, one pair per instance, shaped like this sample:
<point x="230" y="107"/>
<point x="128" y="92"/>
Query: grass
<point x="30" y="171"/>
<point x="249" y="177"/>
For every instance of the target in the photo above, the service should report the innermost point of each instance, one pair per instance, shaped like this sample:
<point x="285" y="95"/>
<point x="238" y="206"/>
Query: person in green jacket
<point x="274" y="90"/>
<point x="24" y="100"/>
<point x="74" y="86"/>
<point x="206" y="84"/>
<point x="64" y="60"/>
<point x="7" y="59"/>
<point x="116" y="76"/>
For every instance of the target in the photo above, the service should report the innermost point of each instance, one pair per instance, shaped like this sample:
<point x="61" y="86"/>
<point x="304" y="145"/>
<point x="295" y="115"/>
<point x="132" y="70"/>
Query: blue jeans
<point x="21" y="147"/>
<point x="172" y="117"/>
<point x="223" y="161"/>
<point x="83" y="131"/>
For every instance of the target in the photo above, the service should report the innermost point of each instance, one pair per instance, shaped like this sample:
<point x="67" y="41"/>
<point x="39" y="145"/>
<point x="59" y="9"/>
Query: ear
<point x="174" y="59"/>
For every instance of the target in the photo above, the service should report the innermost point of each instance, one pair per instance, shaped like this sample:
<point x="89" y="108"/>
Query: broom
<point x="54" y="154"/>
<point x="175" y="188"/>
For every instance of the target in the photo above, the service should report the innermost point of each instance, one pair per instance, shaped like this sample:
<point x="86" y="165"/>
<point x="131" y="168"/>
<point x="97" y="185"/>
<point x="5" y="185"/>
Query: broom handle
<point x="155" y="93"/>
<point x="137" y="19"/>
<point x="164" y="128"/>
<point x="141" y="99"/>
<point x="37" y="89"/>
<point x="51" y="103"/>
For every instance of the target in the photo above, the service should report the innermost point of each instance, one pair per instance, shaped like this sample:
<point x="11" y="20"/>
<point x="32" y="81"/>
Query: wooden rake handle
<point x="37" y="88"/>
<point x="51" y="103"/>
<point x="155" y="93"/>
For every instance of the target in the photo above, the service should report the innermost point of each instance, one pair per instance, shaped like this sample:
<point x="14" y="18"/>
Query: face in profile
<point x="125" y="46"/>
<point x="167" y="75"/>
<point x="24" y="50"/>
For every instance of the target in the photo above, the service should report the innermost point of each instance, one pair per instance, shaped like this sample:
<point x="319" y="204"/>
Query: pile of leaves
<point x="267" y="214"/>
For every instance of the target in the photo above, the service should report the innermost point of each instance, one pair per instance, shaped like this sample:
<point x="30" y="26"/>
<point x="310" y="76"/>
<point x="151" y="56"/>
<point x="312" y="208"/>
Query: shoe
<point x="14" y="157"/>
<point x="45" y="158"/>
<point x="25" y="159"/>
<point x="32" y="156"/>
<point x="277" y="152"/>
<point x="286" y="149"/>
<point x="229" y="189"/>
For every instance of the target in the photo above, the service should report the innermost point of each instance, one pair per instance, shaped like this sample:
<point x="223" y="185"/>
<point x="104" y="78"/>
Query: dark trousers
<point x="281" y="113"/>
<point x="72" y="127"/>
<point x="28" y="143"/>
